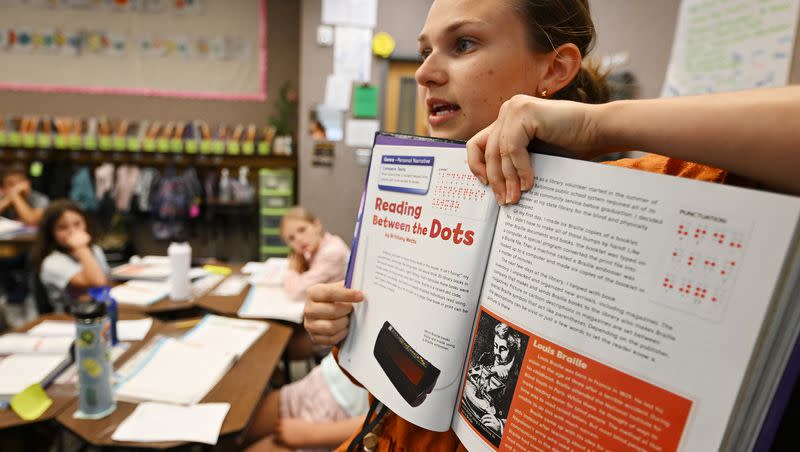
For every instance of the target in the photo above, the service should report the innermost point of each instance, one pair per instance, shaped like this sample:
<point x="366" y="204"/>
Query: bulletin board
<point x="199" y="49"/>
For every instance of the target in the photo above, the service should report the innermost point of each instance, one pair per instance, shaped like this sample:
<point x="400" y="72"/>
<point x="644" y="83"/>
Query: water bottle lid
<point x="88" y="311"/>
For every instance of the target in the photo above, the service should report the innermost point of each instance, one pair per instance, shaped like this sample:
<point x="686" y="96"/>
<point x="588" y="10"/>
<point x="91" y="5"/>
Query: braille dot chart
<point x="701" y="266"/>
<point x="458" y="193"/>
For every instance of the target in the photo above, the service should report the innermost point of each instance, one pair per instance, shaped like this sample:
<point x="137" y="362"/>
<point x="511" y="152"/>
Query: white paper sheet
<point x="26" y="343"/>
<point x="8" y="226"/>
<point x="332" y="121"/>
<point x="133" y="330"/>
<point x="140" y="293"/>
<point x="352" y="53"/>
<point x="272" y="273"/>
<point x="338" y="90"/>
<point x="252" y="267"/>
<point x="265" y="302"/>
<point x="17" y="372"/>
<point x="731" y="45"/>
<point x="232" y="286"/>
<point x="361" y="132"/>
<point x="152" y="422"/>
<point x="225" y="334"/>
<point x="54" y="328"/>
<point x="363" y="13"/>
<point x="175" y="372"/>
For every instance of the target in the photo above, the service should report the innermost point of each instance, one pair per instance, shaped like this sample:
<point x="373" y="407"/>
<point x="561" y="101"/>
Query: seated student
<point x="317" y="412"/>
<point x="18" y="201"/>
<point x="316" y="256"/>
<point x="65" y="257"/>
<point x="525" y="57"/>
<point x="324" y="408"/>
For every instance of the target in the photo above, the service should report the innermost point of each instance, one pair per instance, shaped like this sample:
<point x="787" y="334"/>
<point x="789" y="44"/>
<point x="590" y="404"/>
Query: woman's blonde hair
<point x="552" y="23"/>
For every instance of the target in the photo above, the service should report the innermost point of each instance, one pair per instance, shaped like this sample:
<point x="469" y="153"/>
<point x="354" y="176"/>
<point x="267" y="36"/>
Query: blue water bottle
<point x="95" y="397"/>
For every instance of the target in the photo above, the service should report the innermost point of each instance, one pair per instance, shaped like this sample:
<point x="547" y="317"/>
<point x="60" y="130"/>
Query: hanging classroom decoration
<point x="121" y="47"/>
<point x="383" y="44"/>
<point x="731" y="45"/>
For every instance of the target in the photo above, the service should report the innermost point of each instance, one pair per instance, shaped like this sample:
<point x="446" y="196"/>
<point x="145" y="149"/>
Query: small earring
<point x="544" y="93"/>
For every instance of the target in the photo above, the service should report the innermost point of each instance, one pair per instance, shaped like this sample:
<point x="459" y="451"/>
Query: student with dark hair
<point x="19" y="201"/>
<point x="65" y="257"/>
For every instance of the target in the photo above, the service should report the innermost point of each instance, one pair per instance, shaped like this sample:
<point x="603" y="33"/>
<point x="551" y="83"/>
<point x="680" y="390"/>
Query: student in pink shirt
<point x="316" y="257"/>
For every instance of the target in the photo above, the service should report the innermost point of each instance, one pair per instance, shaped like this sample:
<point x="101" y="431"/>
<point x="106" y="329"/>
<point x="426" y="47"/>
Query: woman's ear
<point x="565" y="62"/>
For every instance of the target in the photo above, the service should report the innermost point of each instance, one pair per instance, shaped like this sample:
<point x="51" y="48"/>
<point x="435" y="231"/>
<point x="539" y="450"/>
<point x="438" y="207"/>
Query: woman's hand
<point x="498" y="154"/>
<point x="327" y="310"/>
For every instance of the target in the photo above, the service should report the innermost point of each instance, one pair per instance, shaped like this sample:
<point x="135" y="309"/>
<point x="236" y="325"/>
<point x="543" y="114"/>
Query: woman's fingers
<point x="334" y="292"/>
<point x="475" y="154"/>
<point x="325" y="315"/>
<point x="494" y="168"/>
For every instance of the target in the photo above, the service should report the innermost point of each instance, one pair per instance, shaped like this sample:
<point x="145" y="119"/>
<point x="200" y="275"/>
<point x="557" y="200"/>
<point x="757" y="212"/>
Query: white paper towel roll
<point x="180" y="259"/>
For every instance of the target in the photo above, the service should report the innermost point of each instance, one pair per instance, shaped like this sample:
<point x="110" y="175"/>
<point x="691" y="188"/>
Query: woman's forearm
<point x="752" y="133"/>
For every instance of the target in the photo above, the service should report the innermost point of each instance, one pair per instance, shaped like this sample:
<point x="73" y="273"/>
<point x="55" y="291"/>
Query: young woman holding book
<point x="507" y="72"/>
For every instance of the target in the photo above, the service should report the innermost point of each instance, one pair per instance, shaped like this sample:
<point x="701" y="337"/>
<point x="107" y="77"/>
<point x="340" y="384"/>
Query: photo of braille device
<point x="411" y="374"/>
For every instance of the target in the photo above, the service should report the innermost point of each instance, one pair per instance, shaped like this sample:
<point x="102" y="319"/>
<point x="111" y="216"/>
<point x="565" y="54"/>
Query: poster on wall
<point x="731" y="45"/>
<point x="136" y="48"/>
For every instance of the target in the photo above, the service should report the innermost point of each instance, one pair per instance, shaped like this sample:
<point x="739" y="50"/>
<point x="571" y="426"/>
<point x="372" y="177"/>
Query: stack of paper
<point x="231" y="287"/>
<point x="270" y="273"/>
<point x="175" y="372"/>
<point x="149" y="268"/>
<point x="10" y="226"/>
<point x="133" y="330"/>
<point x="264" y="302"/>
<point x="225" y="334"/>
<point x="54" y="328"/>
<point x="152" y="422"/>
<point x="203" y="285"/>
<point x="140" y="293"/>
<point x="26" y="343"/>
<point x="17" y="372"/>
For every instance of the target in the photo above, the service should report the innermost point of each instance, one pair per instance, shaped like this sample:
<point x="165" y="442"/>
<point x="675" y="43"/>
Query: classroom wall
<point x="333" y="193"/>
<point x="282" y="64"/>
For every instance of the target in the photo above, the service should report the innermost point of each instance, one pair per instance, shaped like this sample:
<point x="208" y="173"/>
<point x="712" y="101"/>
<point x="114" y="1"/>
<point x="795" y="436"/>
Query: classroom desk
<point x="168" y="308"/>
<point x="16" y="243"/>
<point x="63" y="395"/>
<point x="242" y="387"/>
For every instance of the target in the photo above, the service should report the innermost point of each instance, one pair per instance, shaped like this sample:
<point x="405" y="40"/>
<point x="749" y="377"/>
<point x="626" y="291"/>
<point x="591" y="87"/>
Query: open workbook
<point x="610" y="309"/>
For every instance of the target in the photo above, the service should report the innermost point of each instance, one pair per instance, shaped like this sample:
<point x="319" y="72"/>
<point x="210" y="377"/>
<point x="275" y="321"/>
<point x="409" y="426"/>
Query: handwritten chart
<point x="701" y="266"/>
<point x="728" y="45"/>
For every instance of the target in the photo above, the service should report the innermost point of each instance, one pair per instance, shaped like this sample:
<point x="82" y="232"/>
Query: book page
<point x="425" y="228"/>
<point x="620" y="310"/>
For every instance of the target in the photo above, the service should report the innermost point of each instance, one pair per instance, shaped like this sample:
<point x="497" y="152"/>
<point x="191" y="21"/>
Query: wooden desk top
<point x="63" y="395"/>
<point x="242" y="387"/>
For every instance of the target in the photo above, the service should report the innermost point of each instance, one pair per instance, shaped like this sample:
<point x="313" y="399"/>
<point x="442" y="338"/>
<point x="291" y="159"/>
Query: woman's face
<point x="302" y="236"/>
<point x="68" y="223"/>
<point x="476" y="55"/>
